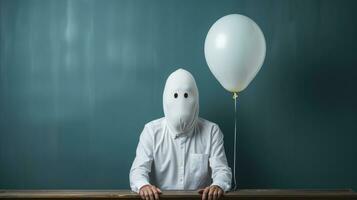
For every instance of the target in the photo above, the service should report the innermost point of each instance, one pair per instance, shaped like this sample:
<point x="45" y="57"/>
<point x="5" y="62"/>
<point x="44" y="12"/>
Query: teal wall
<point x="79" y="79"/>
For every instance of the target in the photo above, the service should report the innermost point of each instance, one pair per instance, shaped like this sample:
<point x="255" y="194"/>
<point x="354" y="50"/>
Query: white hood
<point x="180" y="102"/>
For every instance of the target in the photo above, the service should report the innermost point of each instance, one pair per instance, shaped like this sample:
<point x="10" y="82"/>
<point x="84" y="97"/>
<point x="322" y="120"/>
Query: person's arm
<point x="221" y="172"/>
<point x="141" y="167"/>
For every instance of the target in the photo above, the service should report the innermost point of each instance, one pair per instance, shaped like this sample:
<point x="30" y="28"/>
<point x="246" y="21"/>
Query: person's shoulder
<point x="207" y="123"/>
<point x="210" y="129"/>
<point x="154" y="126"/>
<point x="154" y="123"/>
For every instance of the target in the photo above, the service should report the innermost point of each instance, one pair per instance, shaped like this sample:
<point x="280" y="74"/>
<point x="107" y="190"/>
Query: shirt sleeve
<point x="141" y="167"/>
<point x="221" y="172"/>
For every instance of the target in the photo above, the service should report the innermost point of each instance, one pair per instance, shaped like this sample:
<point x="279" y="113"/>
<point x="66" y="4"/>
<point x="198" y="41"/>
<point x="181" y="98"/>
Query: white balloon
<point x="235" y="51"/>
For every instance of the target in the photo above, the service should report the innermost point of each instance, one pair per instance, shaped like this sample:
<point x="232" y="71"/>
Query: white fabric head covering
<point x="180" y="102"/>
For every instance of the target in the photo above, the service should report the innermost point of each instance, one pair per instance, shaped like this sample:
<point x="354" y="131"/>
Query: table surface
<point x="107" y="194"/>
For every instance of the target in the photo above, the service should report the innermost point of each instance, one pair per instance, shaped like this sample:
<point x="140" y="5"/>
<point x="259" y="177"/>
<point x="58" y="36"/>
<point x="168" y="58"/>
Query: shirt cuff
<point x="140" y="184"/>
<point x="224" y="186"/>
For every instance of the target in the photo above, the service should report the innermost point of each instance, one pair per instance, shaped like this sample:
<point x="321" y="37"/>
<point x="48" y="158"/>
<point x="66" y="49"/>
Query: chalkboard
<point x="79" y="79"/>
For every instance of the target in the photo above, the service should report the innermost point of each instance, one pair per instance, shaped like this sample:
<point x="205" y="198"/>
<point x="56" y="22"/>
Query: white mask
<point x="180" y="101"/>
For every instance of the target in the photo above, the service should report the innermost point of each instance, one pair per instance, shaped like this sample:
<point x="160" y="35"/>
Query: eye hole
<point x="175" y="95"/>
<point x="185" y="95"/>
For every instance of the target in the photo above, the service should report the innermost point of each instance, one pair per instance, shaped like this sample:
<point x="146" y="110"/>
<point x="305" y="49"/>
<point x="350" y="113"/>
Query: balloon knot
<point x="235" y="95"/>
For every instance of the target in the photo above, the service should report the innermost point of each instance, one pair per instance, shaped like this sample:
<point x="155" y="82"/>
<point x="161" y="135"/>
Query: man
<point x="180" y="151"/>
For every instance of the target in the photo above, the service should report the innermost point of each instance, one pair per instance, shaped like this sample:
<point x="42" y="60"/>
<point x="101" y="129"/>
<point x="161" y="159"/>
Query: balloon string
<point x="235" y="95"/>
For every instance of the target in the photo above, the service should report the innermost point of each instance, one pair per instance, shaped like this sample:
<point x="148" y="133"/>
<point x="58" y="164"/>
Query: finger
<point x="151" y="194"/>
<point x="156" y="194"/>
<point x="146" y="194"/>
<point x="141" y="194"/>
<point x="148" y="197"/>
<point x="215" y="194"/>
<point x="157" y="189"/>
<point x="205" y="193"/>
<point x="220" y="193"/>
<point x="200" y="191"/>
<point x="210" y="193"/>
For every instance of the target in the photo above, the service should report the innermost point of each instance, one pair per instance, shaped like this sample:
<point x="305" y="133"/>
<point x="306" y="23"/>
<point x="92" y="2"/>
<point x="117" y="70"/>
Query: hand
<point x="149" y="192"/>
<point x="213" y="192"/>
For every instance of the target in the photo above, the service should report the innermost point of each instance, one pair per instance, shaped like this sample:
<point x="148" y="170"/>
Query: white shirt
<point x="180" y="162"/>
